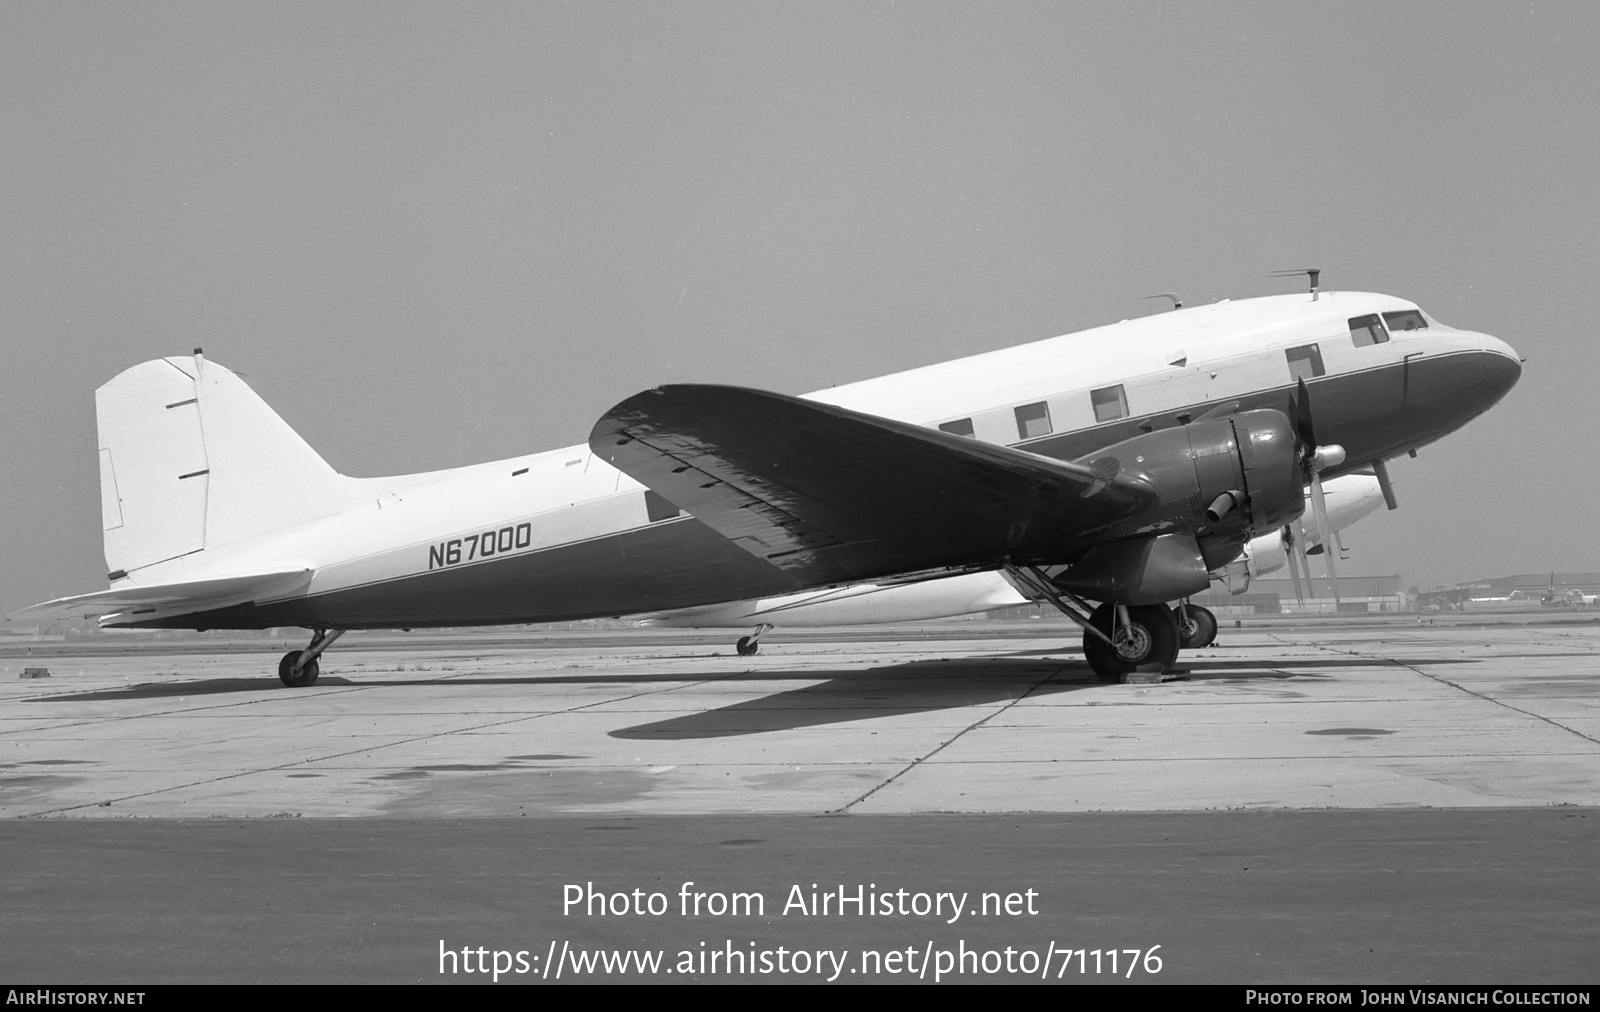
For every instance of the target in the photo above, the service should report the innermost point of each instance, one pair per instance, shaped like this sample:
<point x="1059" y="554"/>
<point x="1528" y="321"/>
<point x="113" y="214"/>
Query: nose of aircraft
<point x="1501" y="366"/>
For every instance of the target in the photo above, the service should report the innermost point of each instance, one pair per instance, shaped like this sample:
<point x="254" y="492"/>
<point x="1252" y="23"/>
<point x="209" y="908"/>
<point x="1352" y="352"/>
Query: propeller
<point x="1314" y="459"/>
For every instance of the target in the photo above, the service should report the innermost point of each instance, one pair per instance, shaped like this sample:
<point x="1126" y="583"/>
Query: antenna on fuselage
<point x="1177" y="303"/>
<point x="1314" y="273"/>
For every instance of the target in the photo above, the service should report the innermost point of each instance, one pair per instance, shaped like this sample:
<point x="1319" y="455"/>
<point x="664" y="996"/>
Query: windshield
<point x="1406" y="319"/>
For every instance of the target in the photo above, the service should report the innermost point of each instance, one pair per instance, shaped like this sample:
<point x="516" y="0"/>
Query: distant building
<point x="1274" y="596"/>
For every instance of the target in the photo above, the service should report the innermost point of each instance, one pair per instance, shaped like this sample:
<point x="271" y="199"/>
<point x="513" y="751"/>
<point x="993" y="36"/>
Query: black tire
<point x="747" y="646"/>
<point x="1199" y="631"/>
<point x="308" y="673"/>
<point x="1149" y="642"/>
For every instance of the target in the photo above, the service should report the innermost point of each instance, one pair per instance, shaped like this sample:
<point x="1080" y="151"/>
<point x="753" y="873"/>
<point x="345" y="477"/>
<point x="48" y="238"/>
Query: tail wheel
<point x="1199" y="630"/>
<point x="1149" y="640"/>
<point x="308" y="672"/>
<point x="746" y="646"/>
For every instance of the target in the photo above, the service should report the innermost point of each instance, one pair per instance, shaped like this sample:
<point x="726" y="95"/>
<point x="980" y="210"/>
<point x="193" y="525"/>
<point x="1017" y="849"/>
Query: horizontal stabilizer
<point x="170" y="598"/>
<point x="832" y="495"/>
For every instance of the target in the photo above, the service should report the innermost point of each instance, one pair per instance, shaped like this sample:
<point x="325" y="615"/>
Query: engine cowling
<point x="1248" y="457"/>
<point x="1222" y="482"/>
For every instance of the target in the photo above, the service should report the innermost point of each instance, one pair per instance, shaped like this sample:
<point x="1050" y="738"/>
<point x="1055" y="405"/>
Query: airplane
<point x="1350" y="497"/>
<point x="1570" y="598"/>
<point x="1126" y="465"/>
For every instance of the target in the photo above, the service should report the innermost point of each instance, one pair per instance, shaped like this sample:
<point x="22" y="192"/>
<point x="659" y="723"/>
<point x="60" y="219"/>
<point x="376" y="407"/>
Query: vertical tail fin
<point x="191" y="459"/>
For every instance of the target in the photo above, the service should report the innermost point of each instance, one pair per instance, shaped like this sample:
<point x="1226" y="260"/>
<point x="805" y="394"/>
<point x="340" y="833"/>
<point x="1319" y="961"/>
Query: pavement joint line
<point x="841" y="810"/>
<point x="1472" y="692"/>
<point x="359" y="751"/>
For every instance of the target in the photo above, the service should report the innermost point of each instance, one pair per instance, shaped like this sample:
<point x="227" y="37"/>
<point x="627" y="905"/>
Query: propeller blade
<point x="1305" y="567"/>
<point x="1333" y="574"/>
<point x="1319" y="513"/>
<point x="1291" y="554"/>
<point x="1319" y="509"/>
<point x="1304" y="427"/>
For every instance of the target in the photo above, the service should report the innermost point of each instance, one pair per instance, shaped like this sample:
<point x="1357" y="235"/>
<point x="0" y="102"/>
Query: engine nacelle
<point x="1222" y="482"/>
<point x="1227" y="478"/>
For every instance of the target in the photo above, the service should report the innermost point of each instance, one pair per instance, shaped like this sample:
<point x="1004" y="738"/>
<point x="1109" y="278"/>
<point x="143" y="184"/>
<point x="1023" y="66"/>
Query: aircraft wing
<point x="832" y="495"/>
<point x="147" y="600"/>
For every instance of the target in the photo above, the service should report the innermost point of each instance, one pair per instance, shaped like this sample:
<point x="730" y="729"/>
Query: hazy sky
<point x="436" y="234"/>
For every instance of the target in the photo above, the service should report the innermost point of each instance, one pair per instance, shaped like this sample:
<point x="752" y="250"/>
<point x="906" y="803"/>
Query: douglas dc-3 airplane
<point x="1128" y="465"/>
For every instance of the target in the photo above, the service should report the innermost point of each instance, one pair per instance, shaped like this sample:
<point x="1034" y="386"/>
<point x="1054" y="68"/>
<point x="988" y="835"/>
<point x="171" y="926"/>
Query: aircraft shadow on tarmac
<point x="843" y="696"/>
<point x="952" y="683"/>
<point x="923" y="686"/>
<point x="942" y="685"/>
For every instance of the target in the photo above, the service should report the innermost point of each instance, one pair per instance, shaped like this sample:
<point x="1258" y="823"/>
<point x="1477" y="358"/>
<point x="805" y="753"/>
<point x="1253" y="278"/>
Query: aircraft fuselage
<point x="562" y="535"/>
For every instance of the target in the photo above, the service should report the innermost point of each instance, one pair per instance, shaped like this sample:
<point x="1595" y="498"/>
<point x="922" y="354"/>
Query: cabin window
<point x="959" y="427"/>
<point x="1365" y="330"/>
<point x="1110" y="403"/>
<point x="1033" y="420"/>
<point x="1406" y="319"/>
<point x="658" y="507"/>
<point x="1305" y="362"/>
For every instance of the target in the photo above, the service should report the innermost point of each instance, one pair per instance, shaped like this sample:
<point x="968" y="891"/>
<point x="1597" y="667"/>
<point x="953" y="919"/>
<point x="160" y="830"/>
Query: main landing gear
<point x="299" y="668"/>
<point x="1197" y="626"/>
<point x="1118" y="639"/>
<point x="1140" y="637"/>
<point x="748" y="645"/>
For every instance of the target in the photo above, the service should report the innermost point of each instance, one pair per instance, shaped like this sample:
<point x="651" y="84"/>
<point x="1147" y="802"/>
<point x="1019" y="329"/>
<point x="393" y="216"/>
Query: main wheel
<point x="1149" y="640"/>
<point x="747" y="646"/>
<point x="308" y="672"/>
<point x="1200" y="630"/>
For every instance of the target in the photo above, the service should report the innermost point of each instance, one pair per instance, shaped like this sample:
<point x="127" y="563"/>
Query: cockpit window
<point x="1406" y="319"/>
<point x="1365" y="330"/>
<point x="959" y="427"/>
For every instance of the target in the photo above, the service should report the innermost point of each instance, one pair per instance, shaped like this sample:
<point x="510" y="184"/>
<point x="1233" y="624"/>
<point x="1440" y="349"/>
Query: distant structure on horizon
<point x="1276" y="596"/>
<point x="1527" y="590"/>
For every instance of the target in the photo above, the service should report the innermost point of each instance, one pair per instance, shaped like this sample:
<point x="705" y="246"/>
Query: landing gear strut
<point x="748" y="645"/>
<point x="299" y="668"/>
<point x="1197" y="626"/>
